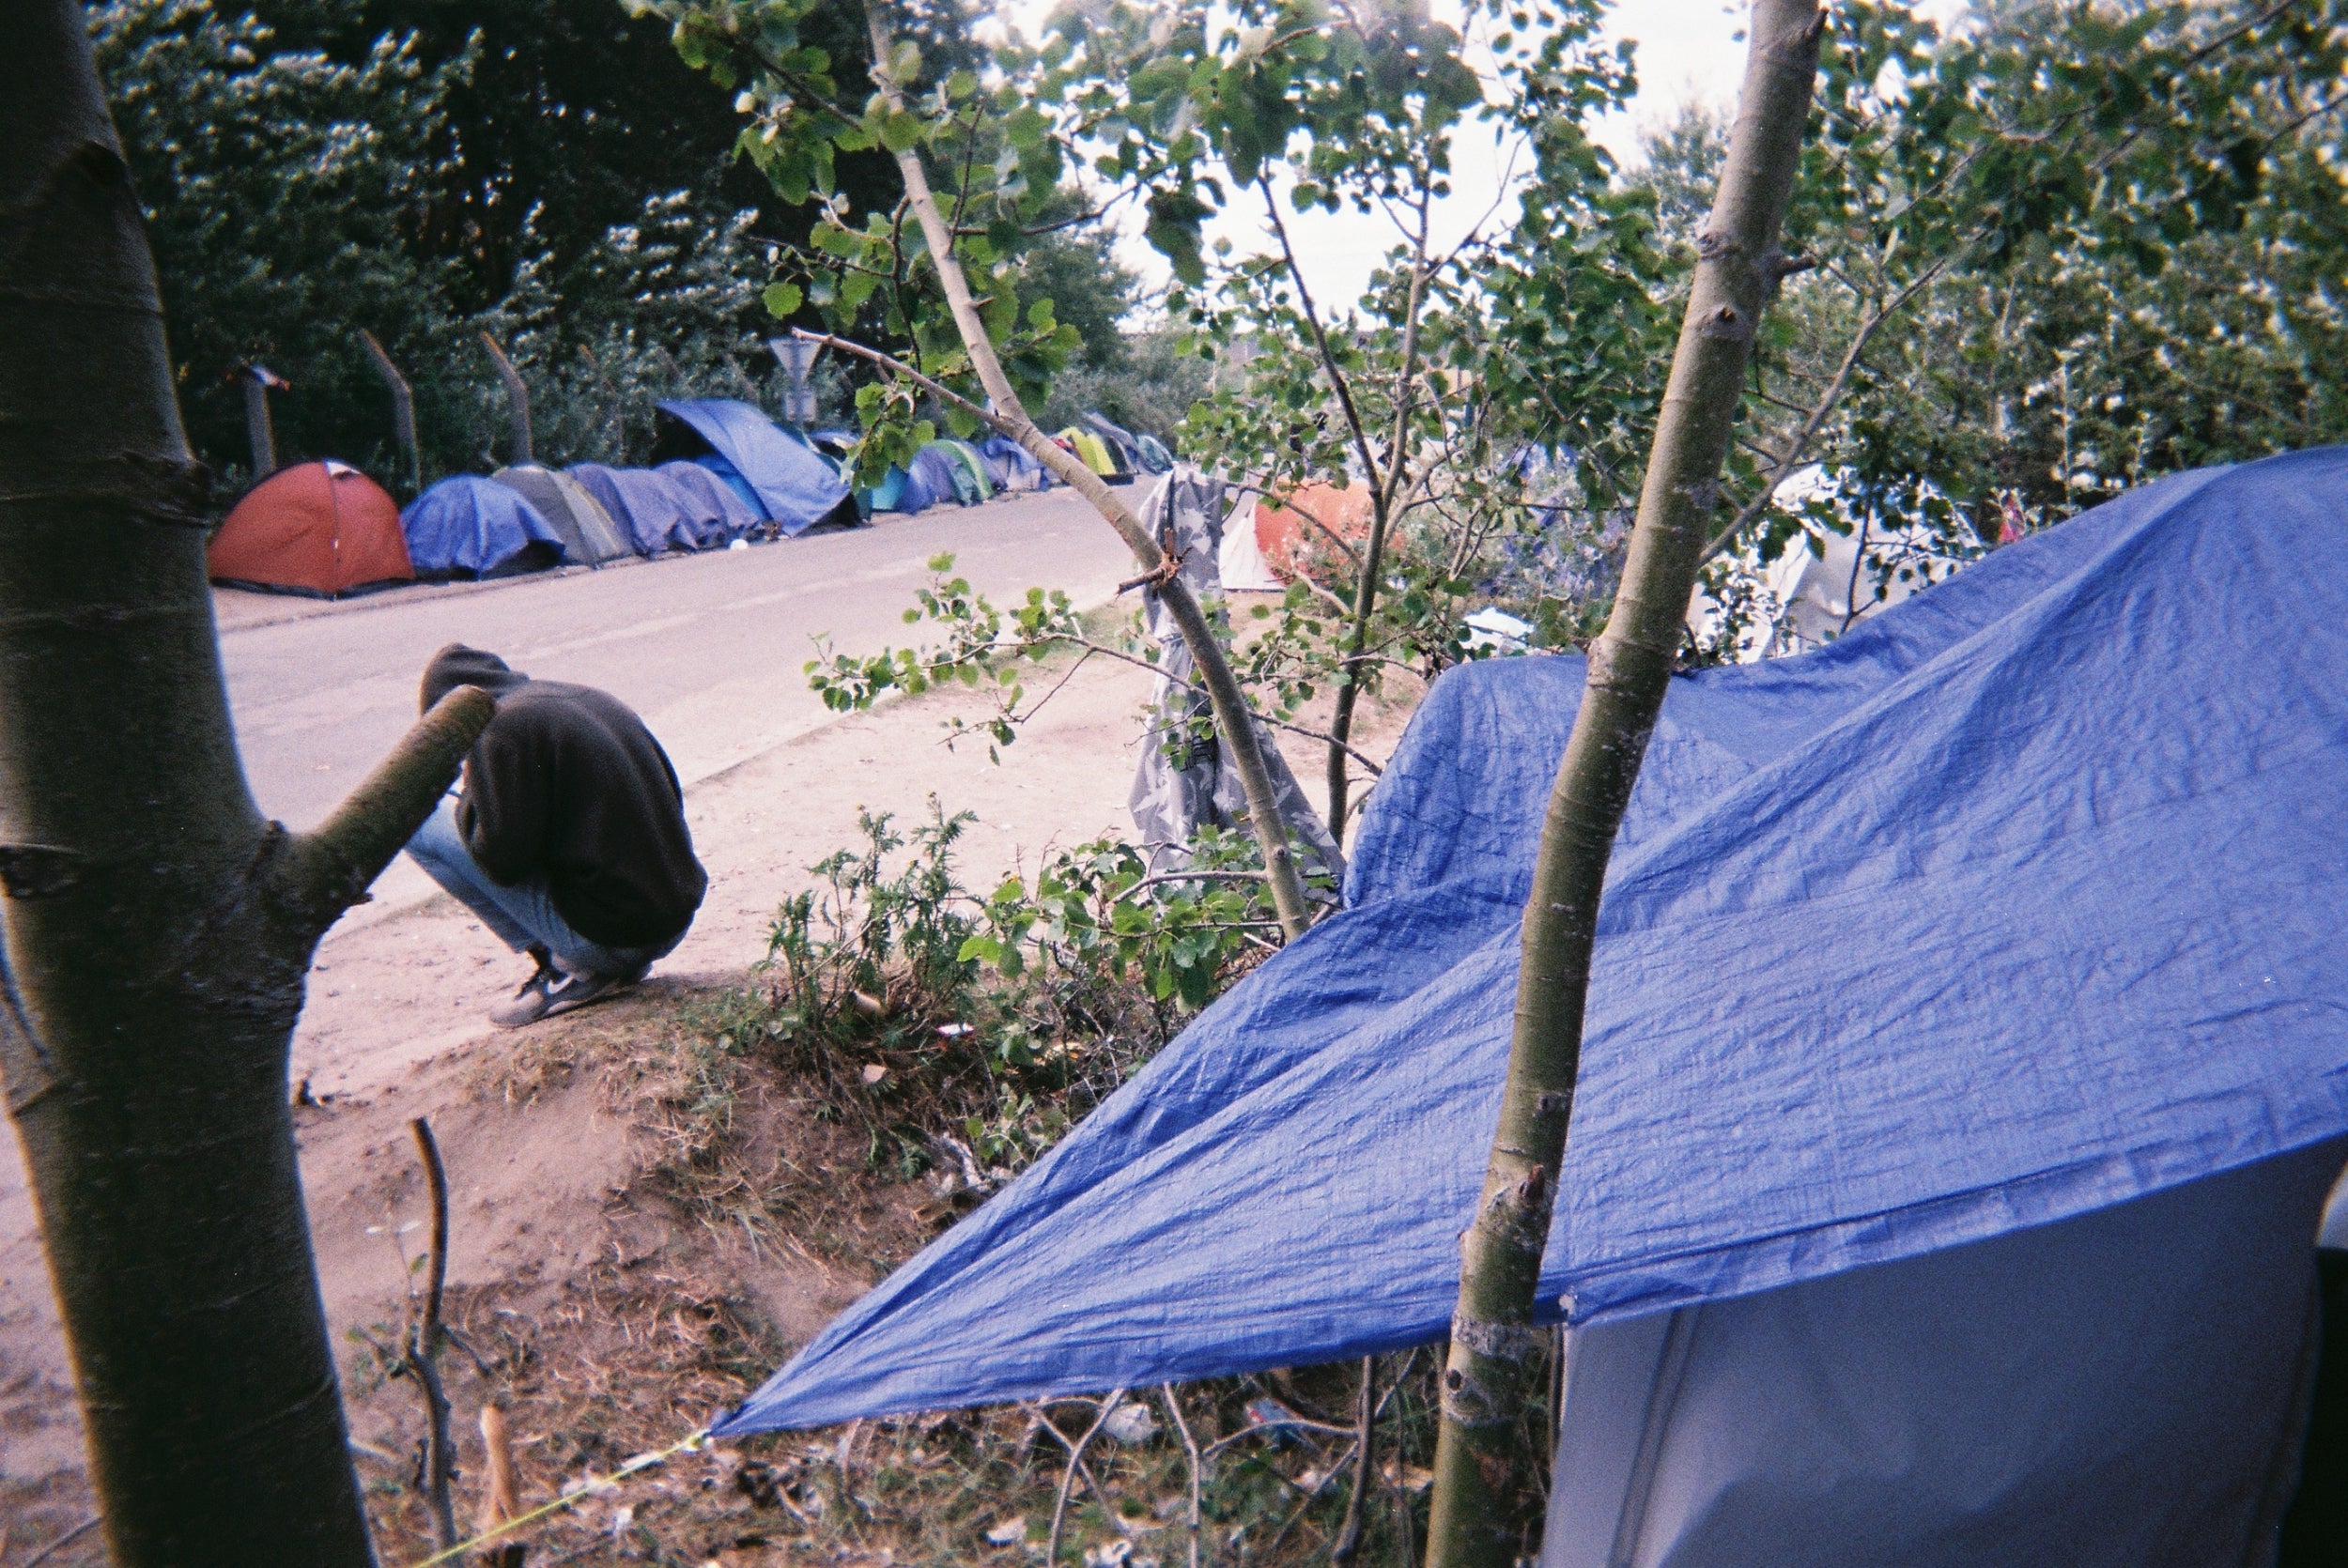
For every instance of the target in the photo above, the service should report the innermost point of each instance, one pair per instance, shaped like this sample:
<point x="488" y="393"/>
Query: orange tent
<point x="319" y="527"/>
<point x="1289" y="542"/>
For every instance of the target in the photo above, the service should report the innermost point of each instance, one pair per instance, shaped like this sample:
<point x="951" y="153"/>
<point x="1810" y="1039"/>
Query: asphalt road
<point x="708" y="648"/>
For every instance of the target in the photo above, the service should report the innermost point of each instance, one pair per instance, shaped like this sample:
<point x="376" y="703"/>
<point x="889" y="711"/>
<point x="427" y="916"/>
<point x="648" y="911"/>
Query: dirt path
<point x="394" y="1027"/>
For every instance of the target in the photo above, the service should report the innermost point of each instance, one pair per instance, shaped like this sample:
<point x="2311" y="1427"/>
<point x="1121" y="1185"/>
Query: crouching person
<point x="567" y="838"/>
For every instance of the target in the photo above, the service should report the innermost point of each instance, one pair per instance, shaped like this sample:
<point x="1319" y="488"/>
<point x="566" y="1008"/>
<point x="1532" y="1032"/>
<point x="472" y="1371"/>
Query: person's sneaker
<point x="578" y="991"/>
<point x="529" y="1004"/>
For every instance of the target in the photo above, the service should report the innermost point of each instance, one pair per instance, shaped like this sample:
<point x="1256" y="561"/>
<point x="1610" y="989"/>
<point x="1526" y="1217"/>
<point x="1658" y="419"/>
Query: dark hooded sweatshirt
<point x="567" y="784"/>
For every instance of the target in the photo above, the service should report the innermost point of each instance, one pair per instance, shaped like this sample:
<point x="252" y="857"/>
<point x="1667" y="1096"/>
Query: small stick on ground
<point x="1076" y="1459"/>
<point x="424" y="1348"/>
<point x="1190" y="1447"/>
<point x="63" y="1541"/>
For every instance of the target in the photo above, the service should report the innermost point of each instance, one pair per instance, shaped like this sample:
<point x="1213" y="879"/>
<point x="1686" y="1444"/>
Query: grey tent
<point x="589" y="534"/>
<point x="1181" y="784"/>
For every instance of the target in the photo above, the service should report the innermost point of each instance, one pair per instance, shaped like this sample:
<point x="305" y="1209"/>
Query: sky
<point x="1689" y="52"/>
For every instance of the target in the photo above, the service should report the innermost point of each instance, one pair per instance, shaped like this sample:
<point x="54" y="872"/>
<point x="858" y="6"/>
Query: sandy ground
<point x="395" y="1027"/>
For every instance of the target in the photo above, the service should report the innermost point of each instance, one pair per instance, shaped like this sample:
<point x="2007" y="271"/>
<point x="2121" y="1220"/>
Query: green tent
<point x="1096" y="454"/>
<point x="967" y="457"/>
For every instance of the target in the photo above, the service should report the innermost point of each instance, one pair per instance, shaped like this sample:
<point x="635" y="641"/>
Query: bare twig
<point x="1312" y="1492"/>
<point x="1075" y="1461"/>
<point x="1190" y="1448"/>
<point x="1349" y="1539"/>
<point x="1797" y="450"/>
<point x="61" y="1542"/>
<point x="1188" y="876"/>
<point x="423" y="1347"/>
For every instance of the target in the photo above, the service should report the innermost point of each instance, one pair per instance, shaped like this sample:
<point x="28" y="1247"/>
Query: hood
<point x="459" y="666"/>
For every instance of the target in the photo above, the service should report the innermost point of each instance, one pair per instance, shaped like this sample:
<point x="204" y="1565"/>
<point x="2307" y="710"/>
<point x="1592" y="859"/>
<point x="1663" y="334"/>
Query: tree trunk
<point x="1233" y="717"/>
<point x="157" y="930"/>
<point x="1479" y="1469"/>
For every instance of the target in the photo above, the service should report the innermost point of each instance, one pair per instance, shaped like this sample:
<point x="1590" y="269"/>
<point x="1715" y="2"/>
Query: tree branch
<point x="1229" y="703"/>
<point x="332" y="865"/>
<point x="1798" y="449"/>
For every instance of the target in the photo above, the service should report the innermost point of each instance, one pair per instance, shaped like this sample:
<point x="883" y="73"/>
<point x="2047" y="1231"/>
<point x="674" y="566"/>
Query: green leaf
<point x="782" y="301"/>
<point x="1024" y="128"/>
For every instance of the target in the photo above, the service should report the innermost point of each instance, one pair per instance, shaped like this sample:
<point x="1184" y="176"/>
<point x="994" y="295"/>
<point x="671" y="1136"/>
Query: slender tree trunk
<point x="157" y="930"/>
<point x="1478" y="1471"/>
<point x="1386" y="489"/>
<point x="1233" y="719"/>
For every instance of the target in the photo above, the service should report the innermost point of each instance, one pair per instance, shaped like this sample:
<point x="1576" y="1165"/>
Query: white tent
<point x="1239" y="562"/>
<point x="2121" y="1389"/>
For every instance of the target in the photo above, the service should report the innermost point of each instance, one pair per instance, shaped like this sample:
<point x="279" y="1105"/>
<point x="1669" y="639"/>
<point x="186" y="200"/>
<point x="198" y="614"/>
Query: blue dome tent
<point x="1154" y="456"/>
<point x="470" y="527"/>
<point x="899" y="491"/>
<point x="718" y="512"/>
<point x="795" y="487"/>
<point x="1015" y="466"/>
<point x="655" y="516"/>
<point x="1962" y="1081"/>
<point x="942" y="475"/>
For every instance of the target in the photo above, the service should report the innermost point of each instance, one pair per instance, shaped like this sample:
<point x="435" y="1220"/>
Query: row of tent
<point x="723" y="474"/>
<point x="967" y="472"/>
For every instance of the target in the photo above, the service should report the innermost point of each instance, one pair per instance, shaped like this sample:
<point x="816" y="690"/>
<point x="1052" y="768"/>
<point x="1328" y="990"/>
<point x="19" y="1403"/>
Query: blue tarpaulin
<point x="2021" y="901"/>
<point x="796" y="486"/>
<point x="718" y="512"/>
<point x="645" y="503"/>
<point x="470" y="527"/>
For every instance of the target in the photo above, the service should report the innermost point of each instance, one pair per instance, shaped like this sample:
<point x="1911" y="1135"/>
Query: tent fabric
<point x="588" y="534"/>
<point x="795" y="487"/>
<point x="318" y="529"/>
<point x="901" y="491"/>
<point x="2020" y="900"/>
<point x="1155" y="458"/>
<point x="1120" y="443"/>
<point x="941" y="474"/>
<point x="1883" y="1415"/>
<point x="655" y="516"/>
<point x="730" y="477"/>
<point x="1097" y="454"/>
<point x="1020" y="469"/>
<point x="1179" y="782"/>
<point x="720" y="512"/>
<point x="998" y="471"/>
<point x="1240" y="560"/>
<point x="471" y="527"/>
<point x="1287" y="535"/>
<point x="966" y="457"/>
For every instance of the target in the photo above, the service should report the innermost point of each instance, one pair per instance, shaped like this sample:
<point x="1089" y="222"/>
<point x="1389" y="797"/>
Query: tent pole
<point x="517" y="400"/>
<point x="403" y="409"/>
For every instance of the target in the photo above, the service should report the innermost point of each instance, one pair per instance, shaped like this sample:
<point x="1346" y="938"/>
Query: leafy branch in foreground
<point x="985" y="646"/>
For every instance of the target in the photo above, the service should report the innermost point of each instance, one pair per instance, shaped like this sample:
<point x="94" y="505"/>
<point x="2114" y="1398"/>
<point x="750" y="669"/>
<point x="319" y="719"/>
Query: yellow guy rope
<point x="577" y="1495"/>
